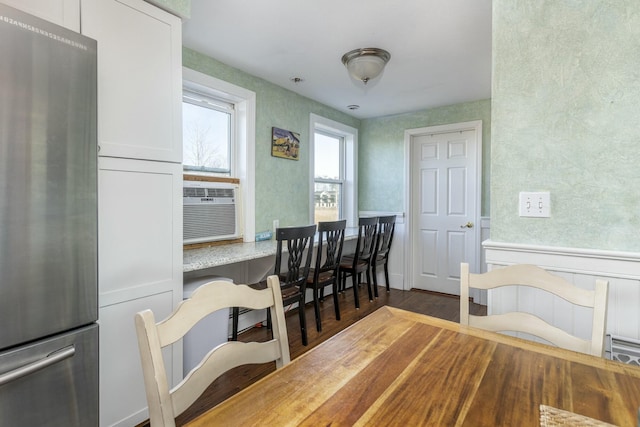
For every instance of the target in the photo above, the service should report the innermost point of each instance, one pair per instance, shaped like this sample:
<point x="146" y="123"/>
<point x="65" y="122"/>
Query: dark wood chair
<point x="325" y="273"/>
<point x="359" y="262"/>
<point x="386" y="227"/>
<point x="293" y="276"/>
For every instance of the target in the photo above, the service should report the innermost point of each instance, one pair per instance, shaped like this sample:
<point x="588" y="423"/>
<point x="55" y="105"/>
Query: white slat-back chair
<point x="536" y="277"/>
<point x="164" y="403"/>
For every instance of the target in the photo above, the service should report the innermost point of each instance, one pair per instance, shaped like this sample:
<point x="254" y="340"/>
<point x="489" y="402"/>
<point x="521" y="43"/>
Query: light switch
<point x="535" y="204"/>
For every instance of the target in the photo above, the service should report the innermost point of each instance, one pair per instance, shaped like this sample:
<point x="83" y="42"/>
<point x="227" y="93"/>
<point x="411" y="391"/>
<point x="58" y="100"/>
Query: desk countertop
<point x="215" y="256"/>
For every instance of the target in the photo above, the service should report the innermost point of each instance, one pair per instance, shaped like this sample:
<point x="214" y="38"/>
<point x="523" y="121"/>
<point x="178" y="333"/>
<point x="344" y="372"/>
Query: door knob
<point x="467" y="225"/>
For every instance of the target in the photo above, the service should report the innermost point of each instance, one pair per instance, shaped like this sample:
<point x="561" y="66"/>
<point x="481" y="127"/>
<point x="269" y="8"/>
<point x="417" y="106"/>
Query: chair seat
<point x="360" y="265"/>
<point x="288" y="293"/>
<point x="259" y="286"/>
<point x="293" y="291"/>
<point x="324" y="277"/>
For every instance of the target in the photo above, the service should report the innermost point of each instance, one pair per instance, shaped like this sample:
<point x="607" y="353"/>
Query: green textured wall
<point x="282" y="186"/>
<point x="181" y="8"/>
<point x="381" y="152"/>
<point x="565" y="110"/>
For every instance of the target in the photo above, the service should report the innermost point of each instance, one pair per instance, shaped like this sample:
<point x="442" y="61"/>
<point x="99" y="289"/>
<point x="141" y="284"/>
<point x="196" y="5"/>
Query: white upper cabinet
<point x="139" y="79"/>
<point x="62" y="12"/>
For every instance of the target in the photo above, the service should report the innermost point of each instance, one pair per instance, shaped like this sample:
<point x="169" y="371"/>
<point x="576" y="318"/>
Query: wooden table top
<point x="399" y="368"/>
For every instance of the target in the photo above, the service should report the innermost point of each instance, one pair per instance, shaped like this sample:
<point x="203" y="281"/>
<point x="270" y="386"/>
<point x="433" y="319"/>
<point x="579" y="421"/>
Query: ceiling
<point x="440" y="49"/>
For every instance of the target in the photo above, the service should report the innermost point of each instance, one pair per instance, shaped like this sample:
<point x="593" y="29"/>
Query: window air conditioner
<point x="211" y="211"/>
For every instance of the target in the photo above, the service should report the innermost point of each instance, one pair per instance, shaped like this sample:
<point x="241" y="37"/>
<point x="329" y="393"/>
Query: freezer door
<point x="48" y="164"/>
<point x="53" y="382"/>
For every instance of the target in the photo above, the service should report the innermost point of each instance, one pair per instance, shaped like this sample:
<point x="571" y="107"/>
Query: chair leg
<point x="354" y="277"/>
<point x="234" y="328"/>
<point x="369" y="285"/>
<point x="375" y="280"/>
<point x="386" y="276"/>
<point x="316" y="308"/>
<point x="336" y="306"/>
<point x="303" y="321"/>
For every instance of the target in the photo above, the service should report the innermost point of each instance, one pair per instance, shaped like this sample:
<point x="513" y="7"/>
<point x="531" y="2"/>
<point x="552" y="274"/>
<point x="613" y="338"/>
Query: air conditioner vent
<point x="194" y="192"/>
<point x="221" y="192"/>
<point x="209" y="221"/>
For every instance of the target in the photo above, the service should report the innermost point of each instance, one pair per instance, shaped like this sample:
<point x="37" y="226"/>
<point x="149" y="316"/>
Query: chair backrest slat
<point x="330" y="243"/>
<point x="365" y="246"/>
<point x="536" y="277"/>
<point x="299" y="244"/>
<point x="386" y="227"/>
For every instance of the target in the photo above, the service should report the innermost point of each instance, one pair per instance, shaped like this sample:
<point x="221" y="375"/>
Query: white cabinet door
<point x="139" y="228"/>
<point x="140" y="266"/>
<point x="139" y="78"/>
<point x="122" y="396"/>
<point x="62" y="12"/>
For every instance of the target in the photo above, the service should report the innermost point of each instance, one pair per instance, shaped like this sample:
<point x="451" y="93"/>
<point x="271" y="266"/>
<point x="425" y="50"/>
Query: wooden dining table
<point x="395" y="367"/>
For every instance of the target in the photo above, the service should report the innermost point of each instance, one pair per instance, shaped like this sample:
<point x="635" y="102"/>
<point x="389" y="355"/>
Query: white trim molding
<point x="399" y="215"/>
<point x="623" y="265"/>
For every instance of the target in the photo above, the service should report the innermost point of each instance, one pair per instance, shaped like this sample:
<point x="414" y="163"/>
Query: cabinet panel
<point x="139" y="78"/>
<point x="122" y="396"/>
<point x="140" y="228"/>
<point x="62" y="12"/>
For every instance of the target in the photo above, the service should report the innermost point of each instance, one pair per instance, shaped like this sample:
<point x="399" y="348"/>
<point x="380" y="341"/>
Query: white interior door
<point x="445" y="205"/>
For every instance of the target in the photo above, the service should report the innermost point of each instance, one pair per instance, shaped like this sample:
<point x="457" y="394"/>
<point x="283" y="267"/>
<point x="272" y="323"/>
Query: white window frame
<point x="350" y="155"/>
<point x="243" y="153"/>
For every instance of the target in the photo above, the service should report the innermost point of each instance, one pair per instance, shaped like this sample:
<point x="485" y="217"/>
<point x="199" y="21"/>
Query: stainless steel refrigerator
<point x="48" y="224"/>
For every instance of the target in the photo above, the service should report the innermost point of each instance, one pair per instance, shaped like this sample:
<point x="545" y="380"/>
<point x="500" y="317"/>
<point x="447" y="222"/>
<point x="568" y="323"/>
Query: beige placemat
<point x="552" y="417"/>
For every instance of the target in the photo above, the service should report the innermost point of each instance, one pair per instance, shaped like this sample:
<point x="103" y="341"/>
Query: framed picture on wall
<point x="285" y="144"/>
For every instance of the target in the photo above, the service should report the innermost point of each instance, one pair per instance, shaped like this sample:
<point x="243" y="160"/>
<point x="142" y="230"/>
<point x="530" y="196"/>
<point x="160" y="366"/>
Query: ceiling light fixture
<point x="365" y="64"/>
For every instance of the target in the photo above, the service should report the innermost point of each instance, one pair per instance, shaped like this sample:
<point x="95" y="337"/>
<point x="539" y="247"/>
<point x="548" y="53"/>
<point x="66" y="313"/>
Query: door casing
<point x="410" y="204"/>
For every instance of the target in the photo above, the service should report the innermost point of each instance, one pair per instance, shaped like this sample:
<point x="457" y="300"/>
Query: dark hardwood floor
<point x="437" y="305"/>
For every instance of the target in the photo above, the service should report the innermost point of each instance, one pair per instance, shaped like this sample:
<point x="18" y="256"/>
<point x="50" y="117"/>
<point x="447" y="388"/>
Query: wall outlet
<point x="535" y="204"/>
<point x="276" y="224"/>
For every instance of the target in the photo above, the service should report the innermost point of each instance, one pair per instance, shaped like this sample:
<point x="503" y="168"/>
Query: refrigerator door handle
<point x="48" y="360"/>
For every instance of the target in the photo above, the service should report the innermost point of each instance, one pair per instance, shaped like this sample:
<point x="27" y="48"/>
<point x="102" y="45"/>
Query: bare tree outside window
<point x="206" y="138"/>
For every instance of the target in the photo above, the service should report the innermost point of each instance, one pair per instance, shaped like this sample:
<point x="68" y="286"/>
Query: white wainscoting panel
<point x="581" y="267"/>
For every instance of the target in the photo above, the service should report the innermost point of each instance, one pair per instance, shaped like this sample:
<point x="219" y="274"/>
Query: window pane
<point x="206" y="138"/>
<point x="327" y="201"/>
<point x="327" y="156"/>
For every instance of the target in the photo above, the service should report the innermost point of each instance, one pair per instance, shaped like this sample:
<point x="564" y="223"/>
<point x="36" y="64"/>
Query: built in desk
<point x="244" y="263"/>
<point x="197" y="260"/>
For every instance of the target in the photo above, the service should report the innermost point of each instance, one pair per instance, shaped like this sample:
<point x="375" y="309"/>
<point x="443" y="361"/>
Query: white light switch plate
<point x="535" y="204"/>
